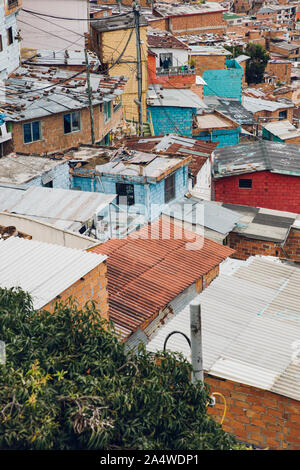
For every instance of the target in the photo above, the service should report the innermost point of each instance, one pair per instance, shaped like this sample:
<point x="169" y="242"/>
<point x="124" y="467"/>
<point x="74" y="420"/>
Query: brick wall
<point x="53" y="137"/>
<point x="270" y="190"/>
<point x="256" y="416"/>
<point x="282" y="70"/>
<point x="289" y="115"/>
<point x="197" y="24"/>
<point x="208" y="62"/>
<point x="93" y="286"/>
<point x="245" y="247"/>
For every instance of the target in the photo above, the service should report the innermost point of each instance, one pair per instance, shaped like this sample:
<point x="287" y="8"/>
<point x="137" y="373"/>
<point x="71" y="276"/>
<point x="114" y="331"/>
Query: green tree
<point x="255" y="66"/>
<point x="68" y="383"/>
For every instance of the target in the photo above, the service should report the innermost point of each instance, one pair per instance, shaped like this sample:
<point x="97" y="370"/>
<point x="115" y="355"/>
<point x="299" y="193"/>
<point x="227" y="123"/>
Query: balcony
<point x="181" y="70"/>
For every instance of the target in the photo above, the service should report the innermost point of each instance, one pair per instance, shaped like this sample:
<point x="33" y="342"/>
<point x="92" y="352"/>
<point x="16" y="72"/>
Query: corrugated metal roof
<point x="258" y="156"/>
<point x="42" y="269"/>
<point x="250" y="322"/>
<point x="263" y="224"/>
<point x="256" y="104"/>
<point x="151" y="267"/>
<point x="143" y="167"/>
<point x="34" y="91"/>
<point x="60" y="207"/>
<point x="283" y="129"/>
<point x="163" y="39"/>
<point x="174" y="144"/>
<point x="203" y="213"/>
<point x="182" y="98"/>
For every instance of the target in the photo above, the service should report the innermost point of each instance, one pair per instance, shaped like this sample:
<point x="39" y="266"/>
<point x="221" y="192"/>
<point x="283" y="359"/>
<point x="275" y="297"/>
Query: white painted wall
<point x="10" y="55"/>
<point x="51" y="33"/>
<point x="180" y="56"/>
<point x="202" y="188"/>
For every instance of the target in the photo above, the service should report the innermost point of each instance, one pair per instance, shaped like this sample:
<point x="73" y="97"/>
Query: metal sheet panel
<point x="44" y="270"/>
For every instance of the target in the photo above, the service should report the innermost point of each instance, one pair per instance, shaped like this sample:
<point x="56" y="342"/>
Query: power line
<point x="72" y="19"/>
<point x="47" y="32"/>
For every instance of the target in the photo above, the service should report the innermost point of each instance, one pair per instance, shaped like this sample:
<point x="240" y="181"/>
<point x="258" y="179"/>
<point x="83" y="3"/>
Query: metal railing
<point x="180" y="70"/>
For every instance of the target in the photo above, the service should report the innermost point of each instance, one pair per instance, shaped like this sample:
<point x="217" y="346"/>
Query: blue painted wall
<point x="168" y="119"/>
<point x="225" y="83"/>
<point x="149" y="198"/>
<point x="61" y="177"/>
<point x="223" y="136"/>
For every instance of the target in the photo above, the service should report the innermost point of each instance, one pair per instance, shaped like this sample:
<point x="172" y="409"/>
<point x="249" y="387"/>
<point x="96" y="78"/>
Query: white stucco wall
<point x="180" y="56"/>
<point x="10" y="55"/>
<point x="52" y="33"/>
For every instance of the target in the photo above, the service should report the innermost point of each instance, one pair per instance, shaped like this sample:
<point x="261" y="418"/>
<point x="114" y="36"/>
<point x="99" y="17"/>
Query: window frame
<point x="71" y="113"/>
<point x="40" y="132"/>
<point x="130" y="197"/>
<point x="107" y="115"/>
<point x="170" y="180"/>
<point x="10" y="36"/>
<point x="245" y="179"/>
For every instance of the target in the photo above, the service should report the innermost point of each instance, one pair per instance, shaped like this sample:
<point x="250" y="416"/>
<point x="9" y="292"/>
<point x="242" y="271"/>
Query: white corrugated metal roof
<point x="60" y="207"/>
<point x="250" y="323"/>
<point x="42" y="269"/>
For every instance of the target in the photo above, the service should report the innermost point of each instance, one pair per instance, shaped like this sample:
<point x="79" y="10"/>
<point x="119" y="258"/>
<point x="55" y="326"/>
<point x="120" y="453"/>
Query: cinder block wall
<point x="256" y="416"/>
<point x="93" y="286"/>
<point x="168" y="119"/>
<point x="269" y="190"/>
<point x="61" y="178"/>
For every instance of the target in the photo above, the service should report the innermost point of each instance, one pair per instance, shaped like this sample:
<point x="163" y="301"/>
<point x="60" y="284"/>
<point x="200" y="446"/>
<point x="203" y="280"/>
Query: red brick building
<point x="189" y="19"/>
<point x="263" y="174"/>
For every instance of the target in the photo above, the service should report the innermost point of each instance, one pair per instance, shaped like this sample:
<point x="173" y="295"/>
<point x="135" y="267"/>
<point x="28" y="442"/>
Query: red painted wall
<point x="270" y="190"/>
<point x="168" y="81"/>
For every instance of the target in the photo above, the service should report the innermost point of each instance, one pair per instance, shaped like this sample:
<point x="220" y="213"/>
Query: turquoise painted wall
<point x="269" y="136"/>
<point x="148" y="201"/>
<point x="225" y="137"/>
<point x="225" y="83"/>
<point x="168" y="119"/>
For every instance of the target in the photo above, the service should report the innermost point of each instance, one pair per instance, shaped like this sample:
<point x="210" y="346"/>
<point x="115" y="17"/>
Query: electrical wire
<point x="225" y="405"/>
<point x="73" y="19"/>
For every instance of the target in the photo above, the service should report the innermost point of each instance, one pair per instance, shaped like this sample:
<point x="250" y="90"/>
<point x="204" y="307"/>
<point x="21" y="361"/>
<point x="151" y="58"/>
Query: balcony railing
<point x="13" y="3"/>
<point x="181" y="70"/>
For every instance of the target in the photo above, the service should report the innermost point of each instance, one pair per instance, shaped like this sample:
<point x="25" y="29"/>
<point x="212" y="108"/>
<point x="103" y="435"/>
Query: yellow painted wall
<point x="112" y="44"/>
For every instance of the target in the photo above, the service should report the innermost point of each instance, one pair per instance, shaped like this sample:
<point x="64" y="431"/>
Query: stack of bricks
<point x="255" y="416"/>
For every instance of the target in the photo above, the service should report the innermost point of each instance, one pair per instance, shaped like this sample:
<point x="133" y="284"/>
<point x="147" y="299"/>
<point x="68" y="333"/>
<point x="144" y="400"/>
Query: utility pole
<point x="136" y="11"/>
<point x="90" y="95"/>
<point x="196" y="342"/>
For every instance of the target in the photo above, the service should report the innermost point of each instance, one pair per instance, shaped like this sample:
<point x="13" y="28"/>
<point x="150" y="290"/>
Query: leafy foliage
<point x="69" y="384"/>
<point x="255" y="66"/>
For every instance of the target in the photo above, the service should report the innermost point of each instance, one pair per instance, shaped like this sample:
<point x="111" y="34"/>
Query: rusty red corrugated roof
<point x="152" y="266"/>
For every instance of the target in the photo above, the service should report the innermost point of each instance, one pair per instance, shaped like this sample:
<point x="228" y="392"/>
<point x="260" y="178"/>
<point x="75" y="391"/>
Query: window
<point x="245" y="183"/>
<point x="72" y="122"/>
<point x="1" y="44"/>
<point x="170" y="188"/>
<point x="107" y="111"/>
<point x="125" y="194"/>
<point x="282" y="115"/>
<point x="166" y="60"/>
<point x="32" y="131"/>
<point x="10" y="38"/>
